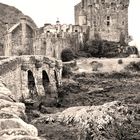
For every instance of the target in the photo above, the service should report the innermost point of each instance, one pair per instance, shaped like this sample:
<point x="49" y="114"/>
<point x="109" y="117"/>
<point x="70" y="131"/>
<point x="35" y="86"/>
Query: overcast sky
<point x="47" y="11"/>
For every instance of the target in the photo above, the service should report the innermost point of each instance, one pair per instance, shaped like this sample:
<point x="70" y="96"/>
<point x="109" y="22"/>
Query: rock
<point x="98" y="122"/>
<point x="6" y="92"/>
<point x="7" y="115"/>
<point x="18" y="123"/>
<point x="20" y="138"/>
<point x="13" y="107"/>
<point x="12" y="127"/>
<point x="13" y="132"/>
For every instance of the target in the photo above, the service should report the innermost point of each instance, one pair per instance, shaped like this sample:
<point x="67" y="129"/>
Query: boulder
<point x="20" y="138"/>
<point x="13" y="132"/>
<point x="13" y="107"/>
<point x="7" y="115"/>
<point x="6" y="92"/>
<point x="18" y="123"/>
<point x="101" y="122"/>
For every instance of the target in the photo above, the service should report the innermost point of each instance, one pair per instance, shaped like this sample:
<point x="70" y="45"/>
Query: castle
<point x="107" y="19"/>
<point x="42" y="47"/>
<point x="94" y="19"/>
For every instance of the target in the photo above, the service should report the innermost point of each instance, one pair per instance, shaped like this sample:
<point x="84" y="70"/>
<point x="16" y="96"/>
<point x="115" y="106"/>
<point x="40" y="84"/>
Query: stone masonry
<point x="31" y="76"/>
<point x="107" y="19"/>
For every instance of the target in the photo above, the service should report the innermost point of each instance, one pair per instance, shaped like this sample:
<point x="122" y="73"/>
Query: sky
<point x="47" y="11"/>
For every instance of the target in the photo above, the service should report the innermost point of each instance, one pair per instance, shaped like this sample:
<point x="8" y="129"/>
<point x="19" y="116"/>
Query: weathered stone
<point x="106" y="19"/>
<point x="20" y="138"/>
<point x="13" y="107"/>
<point x="18" y="123"/>
<point x="13" y="132"/>
<point x="5" y="92"/>
<point x="17" y="80"/>
<point x="5" y="97"/>
<point x="96" y="121"/>
<point x="7" y="115"/>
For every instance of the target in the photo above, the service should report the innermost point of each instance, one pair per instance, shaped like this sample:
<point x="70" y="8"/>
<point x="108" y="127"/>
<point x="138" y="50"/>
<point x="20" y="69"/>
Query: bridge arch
<point x="31" y="84"/>
<point x="56" y="78"/>
<point x="45" y="81"/>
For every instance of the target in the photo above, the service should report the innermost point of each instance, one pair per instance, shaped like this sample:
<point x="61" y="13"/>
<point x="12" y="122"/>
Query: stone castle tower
<point x="107" y="19"/>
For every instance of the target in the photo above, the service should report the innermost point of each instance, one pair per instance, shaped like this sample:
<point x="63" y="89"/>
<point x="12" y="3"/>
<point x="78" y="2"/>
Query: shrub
<point x="103" y="48"/>
<point x="120" y="61"/>
<point x="133" y="66"/>
<point x="67" y="55"/>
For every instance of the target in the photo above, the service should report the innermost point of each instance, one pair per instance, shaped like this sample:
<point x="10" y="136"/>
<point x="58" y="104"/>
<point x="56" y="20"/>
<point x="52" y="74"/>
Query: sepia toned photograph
<point x="69" y="70"/>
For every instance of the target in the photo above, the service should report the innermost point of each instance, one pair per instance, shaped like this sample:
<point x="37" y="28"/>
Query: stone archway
<point x="45" y="81"/>
<point x="31" y="85"/>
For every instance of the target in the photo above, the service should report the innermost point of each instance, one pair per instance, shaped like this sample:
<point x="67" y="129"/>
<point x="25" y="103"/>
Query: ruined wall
<point x="19" y="39"/>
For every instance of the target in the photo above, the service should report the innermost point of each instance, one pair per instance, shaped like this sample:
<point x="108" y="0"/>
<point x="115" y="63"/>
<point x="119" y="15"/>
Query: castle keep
<point x="107" y="19"/>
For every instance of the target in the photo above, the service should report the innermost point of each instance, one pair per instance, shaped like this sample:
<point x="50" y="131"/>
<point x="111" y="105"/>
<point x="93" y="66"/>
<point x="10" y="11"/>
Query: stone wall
<point x="14" y="72"/>
<point x="108" y="20"/>
<point x="53" y="46"/>
<point x="23" y="39"/>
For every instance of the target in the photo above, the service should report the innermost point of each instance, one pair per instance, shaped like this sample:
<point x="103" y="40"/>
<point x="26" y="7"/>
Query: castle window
<point x="123" y="23"/>
<point x="108" y="17"/>
<point x="108" y="23"/>
<point x="44" y="42"/>
<point x="76" y="31"/>
<point x="95" y="24"/>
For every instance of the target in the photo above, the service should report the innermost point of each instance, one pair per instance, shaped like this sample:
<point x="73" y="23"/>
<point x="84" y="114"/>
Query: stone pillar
<point x="58" y="71"/>
<point x="38" y="76"/>
<point x="23" y="25"/>
<point x="39" y="83"/>
<point x="52" y="81"/>
<point x="24" y="84"/>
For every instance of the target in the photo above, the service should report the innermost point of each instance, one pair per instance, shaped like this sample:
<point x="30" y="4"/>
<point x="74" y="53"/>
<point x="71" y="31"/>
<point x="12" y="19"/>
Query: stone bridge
<point x="31" y="76"/>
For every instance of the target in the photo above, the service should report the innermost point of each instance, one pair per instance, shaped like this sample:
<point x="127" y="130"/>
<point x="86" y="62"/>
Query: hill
<point x="10" y="15"/>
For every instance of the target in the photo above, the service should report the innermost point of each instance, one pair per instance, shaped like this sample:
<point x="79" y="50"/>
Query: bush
<point x="67" y="55"/>
<point x="102" y="48"/>
<point x="133" y="66"/>
<point x="120" y="61"/>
